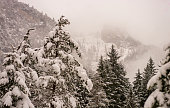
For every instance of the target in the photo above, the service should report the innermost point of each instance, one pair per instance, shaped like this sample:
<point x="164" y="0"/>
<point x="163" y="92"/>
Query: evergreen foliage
<point x="116" y="85"/>
<point x="161" y="96"/>
<point x="99" y="99"/>
<point x="113" y="81"/>
<point x="131" y="101"/>
<point x="137" y="89"/>
<point x="53" y="75"/>
<point x="149" y="72"/>
<point x="14" y="91"/>
<point x="140" y="83"/>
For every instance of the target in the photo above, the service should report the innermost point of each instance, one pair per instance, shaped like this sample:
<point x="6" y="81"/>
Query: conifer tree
<point x="131" y="101"/>
<point x="160" y="97"/>
<point x="98" y="99"/>
<point x="62" y="81"/>
<point x="14" y="91"/>
<point x="116" y="86"/>
<point x="149" y="71"/>
<point x="20" y="59"/>
<point x="137" y="89"/>
<point x="53" y="75"/>
<point x="29" y="60"/>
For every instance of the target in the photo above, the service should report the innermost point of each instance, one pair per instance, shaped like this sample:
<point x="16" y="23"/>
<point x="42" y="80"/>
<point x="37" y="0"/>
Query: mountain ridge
<point x="133" y="54"/>
<point x="15" y="19"/>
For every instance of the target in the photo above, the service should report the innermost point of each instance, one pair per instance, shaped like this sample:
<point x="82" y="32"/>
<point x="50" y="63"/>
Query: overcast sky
<point x="145" y="20"/>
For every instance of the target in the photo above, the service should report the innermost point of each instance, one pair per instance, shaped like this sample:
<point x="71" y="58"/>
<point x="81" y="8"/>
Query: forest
<point x="52" y="76"/>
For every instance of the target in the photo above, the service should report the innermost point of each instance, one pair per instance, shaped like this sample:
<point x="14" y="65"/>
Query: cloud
<point x="145" y="20"/>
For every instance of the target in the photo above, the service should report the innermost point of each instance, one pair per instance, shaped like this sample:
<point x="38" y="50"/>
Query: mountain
<point x="15" y="19"/>
<point x="133" y="54"/>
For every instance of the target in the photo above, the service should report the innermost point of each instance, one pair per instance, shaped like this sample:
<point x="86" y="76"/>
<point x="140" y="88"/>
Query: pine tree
<point x="29" y="60"/>
<point x="13" y="88"/>
<point x="131" y="103"/>
<point x="116" y="86"/>
<point x="137" y="88"/>
<point x="149" y="71"/>
<point x="161" y="96"/>
<point x="62" y="81"/>
<point x="53" y="75"/>
<point x="21" y="61"/>
<point x="98" y="99"/>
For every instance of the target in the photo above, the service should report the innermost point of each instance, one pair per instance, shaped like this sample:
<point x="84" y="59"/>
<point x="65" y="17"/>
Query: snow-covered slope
<point x="133" y="54"/>
<point x="100" y="48"/>
<point x="93" y="47"/>
<point x="15" y="19"/>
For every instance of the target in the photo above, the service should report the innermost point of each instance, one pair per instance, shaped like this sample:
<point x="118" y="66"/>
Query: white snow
<point x="152" y="81"/>
<point x="18" y="61"/>
<point x="43" y="80"/>
<point x="7" y="100"/>
<point x="58" y="103"/>
<point x="4" y="81"/>
<point x="60" y="63"/>
<point x="16" y="91"/>
<point x="25" y="102"/>
<point x="7" y="58"/>
<point x="56" y="39"/>
<point x="83" y="75"/>
<point x="56" y="68"/>
<point x="34" y="75"/>
<point x="155" y="96"/>
<point x="62" y="53"/>
<point x="164" y="68"/>
<point x="89" y="84"/>
<point x="23" y="56"/>
<point x="20" y="79"/>
<point x="49" y="44"/>
<point x="10" y="67"/>
<point x="73" y="101"/>
<point x="51" y="34"/>
<point x="3" y="74"/>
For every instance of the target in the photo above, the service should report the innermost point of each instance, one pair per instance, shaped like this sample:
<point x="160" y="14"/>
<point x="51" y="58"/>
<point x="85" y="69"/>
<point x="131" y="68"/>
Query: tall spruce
<point x="131" y="101"/>
<point x="160" y="97"/>
<point x="137" y="89"/>
<point x="98" y="99"/>
<point x="149" y="72"/>
<point x="116" y="86"/>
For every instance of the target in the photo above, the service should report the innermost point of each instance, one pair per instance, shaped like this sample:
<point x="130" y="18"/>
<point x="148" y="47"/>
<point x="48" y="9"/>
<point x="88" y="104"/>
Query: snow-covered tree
<point x="161" y="96"/>
<point x="98" y="99"/>
<point x="137" y="89"/>
<point x="116" y="86"/>
<point x="51" y="74"/>
<point x="149" y="71"/>
<point x="62" y="82"/>
<point x="131" y="103"/>
<point x="13" y="88"/>
<point x="29" y="60"/>
<point x="20" y="76"/>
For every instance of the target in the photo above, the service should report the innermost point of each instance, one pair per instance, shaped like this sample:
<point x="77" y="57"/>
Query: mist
<point x="146" y="20"/>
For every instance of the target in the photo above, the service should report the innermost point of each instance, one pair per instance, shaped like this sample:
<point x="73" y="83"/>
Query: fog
<point x="148" y="21"/>
<point x="145" y="20"/>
